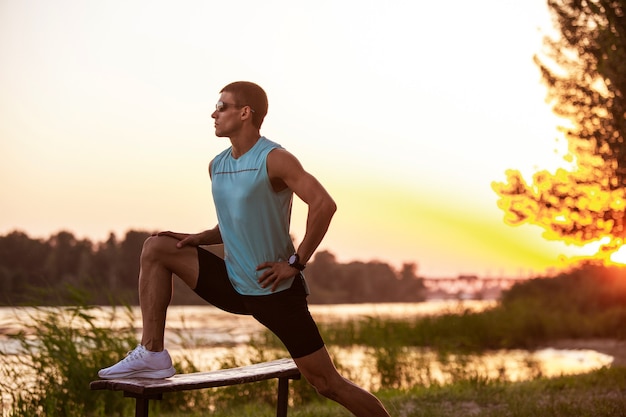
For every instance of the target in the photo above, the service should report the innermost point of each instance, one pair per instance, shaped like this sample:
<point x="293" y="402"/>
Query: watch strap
<point x="294" y="261"/>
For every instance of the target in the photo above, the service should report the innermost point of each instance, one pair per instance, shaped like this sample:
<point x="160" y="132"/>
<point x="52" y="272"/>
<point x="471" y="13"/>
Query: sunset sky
<point x="405" y="110"/>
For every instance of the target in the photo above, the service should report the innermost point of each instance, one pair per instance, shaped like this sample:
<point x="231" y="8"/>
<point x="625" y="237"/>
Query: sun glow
<point x="112" y="104"/>
<point x="611" y="251"/>
<point x="619" y="256"/>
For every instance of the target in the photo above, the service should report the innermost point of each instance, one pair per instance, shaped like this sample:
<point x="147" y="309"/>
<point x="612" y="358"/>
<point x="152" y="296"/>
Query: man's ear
<point x="246" y="113"/>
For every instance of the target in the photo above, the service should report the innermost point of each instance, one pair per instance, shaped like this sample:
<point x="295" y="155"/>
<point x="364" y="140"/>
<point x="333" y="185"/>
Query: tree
<point x="22" y="264"/>
<point x="69" y="258"/>
<point x="584" y="70"/>
<point x="130" y="252"/>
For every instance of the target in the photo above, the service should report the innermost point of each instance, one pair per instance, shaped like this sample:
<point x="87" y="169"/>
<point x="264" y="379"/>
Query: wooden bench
<point x="144" y="390"/>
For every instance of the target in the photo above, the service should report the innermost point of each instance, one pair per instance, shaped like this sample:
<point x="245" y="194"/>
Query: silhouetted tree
<point x="585" y="72"/>
<point x="69" y="259"/>
<point x="130" y="252"/>
<point x="361" y="282"/>
<point x="22" y="264"/>
<point x="325" y="280"/>
<point x="408" y="272"/>
<point x="410" y="284"/>
<point x="46" y="272"/>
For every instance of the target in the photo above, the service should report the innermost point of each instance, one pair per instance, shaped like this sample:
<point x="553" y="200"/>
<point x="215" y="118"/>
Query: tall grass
<point x="589" y="302"/>
<point x="58" y="353"/>
<point x="597" y="394"/>
<point x="61" y="349"/>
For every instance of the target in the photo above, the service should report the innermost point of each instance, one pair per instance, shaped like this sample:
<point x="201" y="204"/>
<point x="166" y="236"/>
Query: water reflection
<point x="209" y="337"/>
<point x="416" y="365"/>
<point x="422" y="366"/>
<point x="338" y="312"/>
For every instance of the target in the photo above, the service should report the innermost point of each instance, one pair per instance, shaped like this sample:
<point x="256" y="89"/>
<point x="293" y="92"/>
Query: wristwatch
<point x="294" y="261"/>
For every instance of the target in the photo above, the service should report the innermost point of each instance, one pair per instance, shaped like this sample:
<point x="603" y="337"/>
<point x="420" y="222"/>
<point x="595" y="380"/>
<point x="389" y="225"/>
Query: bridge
<point x="468" y="287"/>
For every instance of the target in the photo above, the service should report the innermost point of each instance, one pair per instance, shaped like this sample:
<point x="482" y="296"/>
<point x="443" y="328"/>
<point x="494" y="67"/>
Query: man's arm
<point x="285" y="171"/>
<point x="208" y="237"/>
<point x="284" y="167"/>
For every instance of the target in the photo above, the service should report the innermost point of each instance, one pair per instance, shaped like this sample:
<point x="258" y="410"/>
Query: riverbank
<point x="600" y="393"/>
<point x="410" y="389"/>
<point x="612" y="347"/>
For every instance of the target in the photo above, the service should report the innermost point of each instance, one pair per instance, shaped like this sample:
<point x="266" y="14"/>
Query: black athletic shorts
<point x="285" y="313"/>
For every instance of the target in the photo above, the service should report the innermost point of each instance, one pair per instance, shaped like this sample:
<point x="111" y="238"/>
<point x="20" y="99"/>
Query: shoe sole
<point x="156" y="374"/>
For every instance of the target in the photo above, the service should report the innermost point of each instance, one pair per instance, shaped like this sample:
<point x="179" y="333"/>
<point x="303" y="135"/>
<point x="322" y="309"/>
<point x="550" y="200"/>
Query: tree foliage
<point x="592" y="91"/>
<point x="332" y="282"/>
<point x="584" y="70"/>
<point x="37" y="271"/>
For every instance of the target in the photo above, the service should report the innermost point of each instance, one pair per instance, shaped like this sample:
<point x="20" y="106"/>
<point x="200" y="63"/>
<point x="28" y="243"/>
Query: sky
<point x="406" y="111"/>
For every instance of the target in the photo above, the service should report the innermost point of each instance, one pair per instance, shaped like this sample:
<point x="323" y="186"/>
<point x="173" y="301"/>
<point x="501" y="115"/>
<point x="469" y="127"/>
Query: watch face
<point x="293" y="259"/>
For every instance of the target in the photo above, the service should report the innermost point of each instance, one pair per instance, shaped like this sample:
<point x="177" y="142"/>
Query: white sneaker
<point x="141" y="363"/>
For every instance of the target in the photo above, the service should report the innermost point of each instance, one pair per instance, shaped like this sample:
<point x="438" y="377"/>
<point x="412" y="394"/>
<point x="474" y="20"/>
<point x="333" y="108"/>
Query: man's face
<point x="227" y="116"/>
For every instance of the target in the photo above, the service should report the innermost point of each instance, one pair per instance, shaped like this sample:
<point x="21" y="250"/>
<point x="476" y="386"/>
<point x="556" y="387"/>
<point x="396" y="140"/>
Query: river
<point x="207" y="336"/>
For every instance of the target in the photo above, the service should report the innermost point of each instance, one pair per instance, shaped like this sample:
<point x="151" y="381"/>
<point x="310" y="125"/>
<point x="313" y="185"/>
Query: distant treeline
<point x="52" y="271"/>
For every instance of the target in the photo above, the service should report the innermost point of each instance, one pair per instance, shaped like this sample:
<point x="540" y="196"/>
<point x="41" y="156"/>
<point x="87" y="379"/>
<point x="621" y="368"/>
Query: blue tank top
<point x="253" y="219"/>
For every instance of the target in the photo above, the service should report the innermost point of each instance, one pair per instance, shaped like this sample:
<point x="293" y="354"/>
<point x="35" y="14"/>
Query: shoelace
<point x="135" y="354"/>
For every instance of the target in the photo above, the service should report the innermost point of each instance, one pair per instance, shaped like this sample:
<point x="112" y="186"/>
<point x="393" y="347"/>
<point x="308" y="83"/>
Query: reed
<point x="61" y="348"/>
<point x="598" y="394"/>
<point x="58" y="353"/>
<point x="589" y="302"/>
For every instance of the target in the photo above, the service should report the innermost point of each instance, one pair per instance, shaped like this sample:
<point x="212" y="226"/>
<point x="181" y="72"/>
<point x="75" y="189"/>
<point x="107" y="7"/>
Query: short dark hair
<point x="250" y="94"/>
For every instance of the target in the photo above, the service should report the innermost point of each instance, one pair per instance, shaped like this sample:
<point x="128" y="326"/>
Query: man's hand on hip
<point x="275" y="273"/>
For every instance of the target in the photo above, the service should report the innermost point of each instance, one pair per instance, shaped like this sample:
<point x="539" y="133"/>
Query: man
<point x="253" y="183"/>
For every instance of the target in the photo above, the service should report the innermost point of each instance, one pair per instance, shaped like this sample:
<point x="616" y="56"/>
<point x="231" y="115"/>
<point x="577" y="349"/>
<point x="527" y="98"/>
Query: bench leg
<point x="141" y="407"/>
<point x="283" y="397"/>
<point x="142" y="402"/>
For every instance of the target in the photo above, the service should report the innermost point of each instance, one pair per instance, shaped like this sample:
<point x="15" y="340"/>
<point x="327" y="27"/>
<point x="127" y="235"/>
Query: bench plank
<point x="144" y="388"/>
<point x="280" y="368"/>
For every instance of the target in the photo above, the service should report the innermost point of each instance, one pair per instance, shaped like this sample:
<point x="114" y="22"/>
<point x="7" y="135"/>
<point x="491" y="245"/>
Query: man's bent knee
<point x="157" y="246"/>
<point x="162" y="252"/>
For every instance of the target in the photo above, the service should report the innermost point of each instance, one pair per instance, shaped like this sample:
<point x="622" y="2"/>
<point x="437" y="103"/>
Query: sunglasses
<point x="222" y="107"/>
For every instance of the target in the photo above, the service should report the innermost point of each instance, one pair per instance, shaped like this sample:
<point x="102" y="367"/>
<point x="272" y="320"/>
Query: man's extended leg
<point x="320" y="371"/>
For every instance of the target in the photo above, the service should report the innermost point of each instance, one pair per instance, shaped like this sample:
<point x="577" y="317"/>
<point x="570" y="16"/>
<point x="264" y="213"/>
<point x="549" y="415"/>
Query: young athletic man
<point x="253" y="182"/>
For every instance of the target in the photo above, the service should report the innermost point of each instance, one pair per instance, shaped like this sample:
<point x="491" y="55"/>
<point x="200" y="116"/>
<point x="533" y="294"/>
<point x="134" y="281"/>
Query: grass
<point x="600" y="393"/>
<point x="62" y="348"/>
